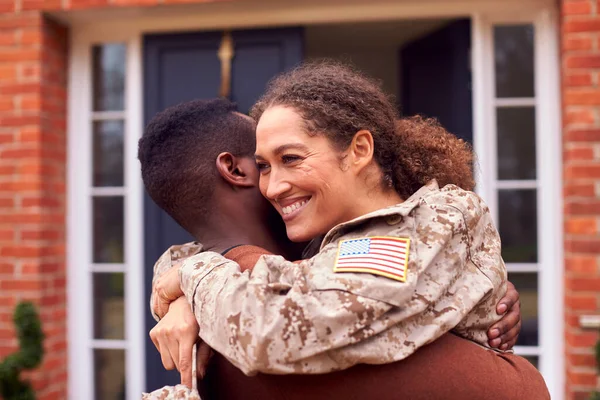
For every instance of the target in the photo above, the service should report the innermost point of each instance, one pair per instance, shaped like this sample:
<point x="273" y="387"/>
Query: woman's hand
<point x="175" y="336"/>
<point x="165" y="290"/>
<point x="504" y="333"/>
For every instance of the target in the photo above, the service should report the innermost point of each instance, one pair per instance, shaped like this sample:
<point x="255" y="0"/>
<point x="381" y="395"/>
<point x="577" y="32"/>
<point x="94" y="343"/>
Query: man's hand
<point x="504" y="333"/>
<point x="166" y="289"/>
<point x="175" y="336"/>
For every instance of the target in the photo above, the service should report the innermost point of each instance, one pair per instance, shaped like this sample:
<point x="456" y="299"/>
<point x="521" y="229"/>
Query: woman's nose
<point x="277" y="186"/>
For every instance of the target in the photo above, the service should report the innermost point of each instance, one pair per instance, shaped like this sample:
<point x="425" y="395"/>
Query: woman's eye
<point x="262" y="167"/>
<point x="288" y="159"/>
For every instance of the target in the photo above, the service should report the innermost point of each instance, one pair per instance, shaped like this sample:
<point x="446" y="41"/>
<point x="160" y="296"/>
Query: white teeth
<point x="293" y="207"/>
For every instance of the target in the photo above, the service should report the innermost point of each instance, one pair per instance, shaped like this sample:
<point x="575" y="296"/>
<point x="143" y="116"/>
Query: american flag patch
<point x="378" y="255"/>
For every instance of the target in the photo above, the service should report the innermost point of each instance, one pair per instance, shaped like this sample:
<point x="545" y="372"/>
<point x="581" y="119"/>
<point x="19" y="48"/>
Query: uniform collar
<point x="401" y="209"/>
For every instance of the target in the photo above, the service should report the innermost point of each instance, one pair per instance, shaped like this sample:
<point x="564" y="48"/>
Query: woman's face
<point x="303" y="176"/>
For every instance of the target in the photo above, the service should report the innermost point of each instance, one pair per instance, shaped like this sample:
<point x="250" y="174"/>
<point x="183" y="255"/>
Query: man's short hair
<point x="179" y="149"/>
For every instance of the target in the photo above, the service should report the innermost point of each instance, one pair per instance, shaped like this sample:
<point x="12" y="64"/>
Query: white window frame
<point x="128" y="26"/>
<point x="550" y="263"/>
<point x="80" y="224"/>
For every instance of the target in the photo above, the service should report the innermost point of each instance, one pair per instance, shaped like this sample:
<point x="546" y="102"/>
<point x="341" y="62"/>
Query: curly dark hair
<point x="336" y="100"/>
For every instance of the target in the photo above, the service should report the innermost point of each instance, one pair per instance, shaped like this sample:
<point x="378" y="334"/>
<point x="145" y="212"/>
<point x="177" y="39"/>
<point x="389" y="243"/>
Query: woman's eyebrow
<point x="284" y="147"/>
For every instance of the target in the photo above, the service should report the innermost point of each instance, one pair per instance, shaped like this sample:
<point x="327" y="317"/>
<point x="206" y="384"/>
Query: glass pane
<point x="109" y="374"/>
<point x="527" y="286"/>
<point x="513" y="53"/>
<point x="518" y="225"/>
<point x="109" y="305"/>
<point x="108" y="153"/>
<point x="516" y="142"/>
<point x="109" y="228"/>
<point x="534" y="360"/>
<point x="109" y="77"/>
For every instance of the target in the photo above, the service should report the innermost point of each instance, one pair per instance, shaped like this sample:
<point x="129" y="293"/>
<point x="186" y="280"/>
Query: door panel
<point x="182" y="67"/>
<point x="436" y="78"/>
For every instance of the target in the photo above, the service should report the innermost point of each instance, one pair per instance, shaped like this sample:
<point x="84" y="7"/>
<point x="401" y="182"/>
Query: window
<point x="517" y="140"/>
<point x="105" y="259"/>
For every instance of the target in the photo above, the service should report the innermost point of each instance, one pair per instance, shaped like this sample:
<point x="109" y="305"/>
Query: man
<point x="198" y="165"/>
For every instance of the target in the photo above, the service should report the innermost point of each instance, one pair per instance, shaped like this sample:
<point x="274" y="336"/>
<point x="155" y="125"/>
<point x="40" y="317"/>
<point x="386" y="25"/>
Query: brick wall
<point x="33" y="59"/>
<point x="580" y="23"/>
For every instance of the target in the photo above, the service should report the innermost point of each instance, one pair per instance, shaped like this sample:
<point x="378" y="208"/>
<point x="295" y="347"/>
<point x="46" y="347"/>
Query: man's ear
<point x="236" y="171"/>
<point x="361" y="149"/>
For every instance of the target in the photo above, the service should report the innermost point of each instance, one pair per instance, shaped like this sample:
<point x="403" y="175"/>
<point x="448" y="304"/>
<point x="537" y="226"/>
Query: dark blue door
<point x="436" y="78"/>
<point x="181" y="67"/>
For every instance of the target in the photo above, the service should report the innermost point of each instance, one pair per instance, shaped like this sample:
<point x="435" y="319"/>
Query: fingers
<point x="506" y="330"/>
<point x="509" y="339"/>
<point x="202" y="358"/>
<point x="509" y="300"/>
<point x="185" y="362"/>
<point x="165" y="346"/>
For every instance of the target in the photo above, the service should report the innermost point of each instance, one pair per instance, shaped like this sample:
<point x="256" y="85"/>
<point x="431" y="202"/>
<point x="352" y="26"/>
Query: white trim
<point x="108" y="115"/>
<point x="528" y="351"/>
<point x="548" y="184"/>
<point x="550" y="225"/>
<point x="525" y="184"/>
<point x="108" y="344"/>
<point x="108" y="191"/>
<point x="107" y="268"/>
<point x="512" y="102"/>
<point x="79" y="302"/>
<point x="134" y="228"/>
<point x="522" y="267"/>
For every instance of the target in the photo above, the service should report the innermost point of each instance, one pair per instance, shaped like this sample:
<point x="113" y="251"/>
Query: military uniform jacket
<point x="306" y="318"/>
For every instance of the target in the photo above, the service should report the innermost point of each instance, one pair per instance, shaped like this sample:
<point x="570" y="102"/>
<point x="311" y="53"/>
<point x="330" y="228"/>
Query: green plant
<point x="29" y="355"/>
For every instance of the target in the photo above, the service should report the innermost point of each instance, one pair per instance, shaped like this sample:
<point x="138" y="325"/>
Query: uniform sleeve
<point x="171" y="257"/>
<point x="305" y="318"/>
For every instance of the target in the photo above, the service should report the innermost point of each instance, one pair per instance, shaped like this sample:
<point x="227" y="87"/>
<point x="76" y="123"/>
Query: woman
<point x="402" y="262"/>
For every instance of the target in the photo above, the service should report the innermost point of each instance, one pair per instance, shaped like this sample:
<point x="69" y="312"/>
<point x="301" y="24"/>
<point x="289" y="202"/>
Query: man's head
<point x="192" y="150"/>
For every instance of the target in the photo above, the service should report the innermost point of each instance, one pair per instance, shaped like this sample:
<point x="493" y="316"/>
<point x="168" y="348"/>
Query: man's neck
<point x="223" y="232"/>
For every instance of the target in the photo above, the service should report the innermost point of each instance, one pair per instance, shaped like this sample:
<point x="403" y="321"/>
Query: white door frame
<point x="129" y="25"/>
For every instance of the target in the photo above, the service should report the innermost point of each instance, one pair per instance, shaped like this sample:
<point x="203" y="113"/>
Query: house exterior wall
<point x="33" y="75"/>
<point x="580" y="63"/>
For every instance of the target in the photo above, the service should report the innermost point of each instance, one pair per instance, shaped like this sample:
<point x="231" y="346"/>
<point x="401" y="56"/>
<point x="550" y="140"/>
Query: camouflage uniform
<point x="305" y="318"/>
<point x="178" y="392"/>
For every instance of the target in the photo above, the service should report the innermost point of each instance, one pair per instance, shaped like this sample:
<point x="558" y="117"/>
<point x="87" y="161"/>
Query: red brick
<point x="19" y="284"/>
<point x="19" y="153"/>
<point x="6" y="268"/>
<point x="583" y="378"/>
<point x="582" y="265"/>
<point x="77" y="4"/>
<point x="581" y="226"/>
<point x="582" y="171"/>
<point x="20" y="21"/>
<point x="19" y="251"/>
<point x="577" y="43"/>
<point x="591" y="207"/>
<point x="581" y="360"/>
<point x="581" y="97"/>
<point x="135" y="2"/>
<point x="587" y="61"/>
<point x="581" y="303"/>
<point x="7" y="38"/>
<point x="6" y="138"/>
<point x="583" y="284"/>
<point x="7" y="6"/>
<point x="583" y="135"/>
<point x="578" y="154"/>
<point x="45" y="5"/>
<point x="582" y="25"/>
<point x="576" y="7"/>
<point x="578" y="79"/>
<point x="8" y="73"/>
<point x="19" y="186"/>
<point x="589" y="246"/>
<point x="19" y="88"/>
<point x="18" y="55"/>
<point x="585" y="117"/>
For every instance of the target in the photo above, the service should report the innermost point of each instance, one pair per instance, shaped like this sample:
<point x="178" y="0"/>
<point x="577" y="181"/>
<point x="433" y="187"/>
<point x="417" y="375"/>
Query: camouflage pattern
<point x="170" y="258"/>
<point x="304" y="318"/>
<point x="179" y="392"/>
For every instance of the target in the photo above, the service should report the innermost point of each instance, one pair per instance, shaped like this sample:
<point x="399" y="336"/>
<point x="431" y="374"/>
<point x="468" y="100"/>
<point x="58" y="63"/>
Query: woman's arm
<point x="286" y="318"/>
